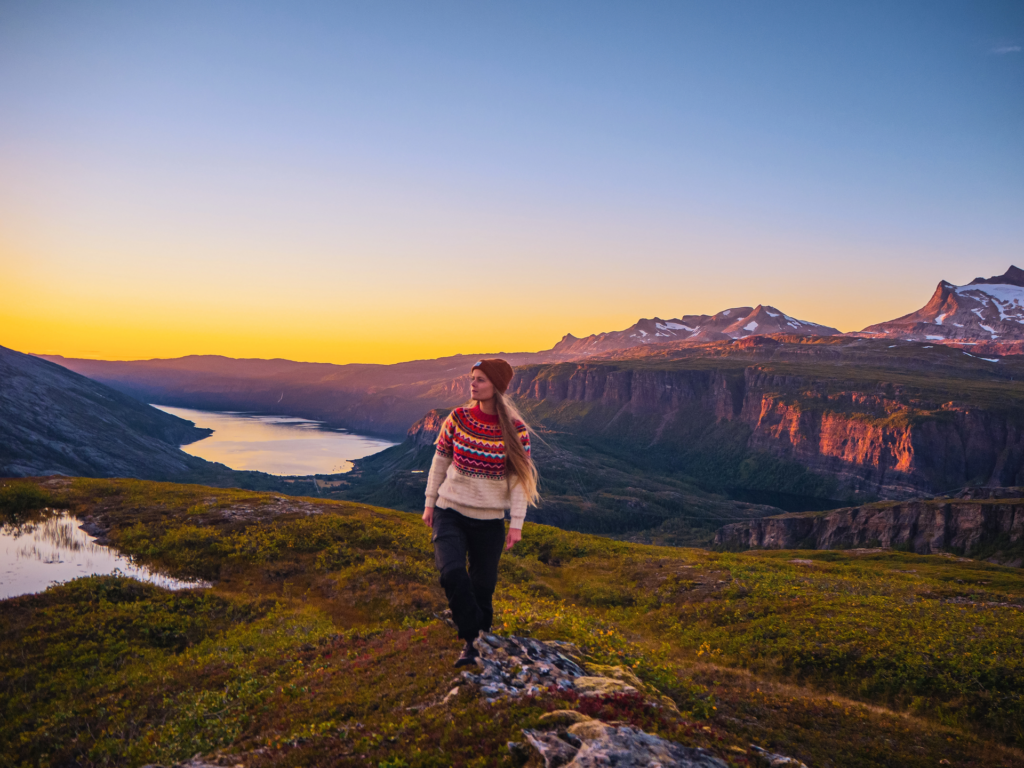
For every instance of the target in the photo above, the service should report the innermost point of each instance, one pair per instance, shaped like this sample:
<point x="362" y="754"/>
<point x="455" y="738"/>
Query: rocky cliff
<point x="426" y="430"/>
<point x="879" y="422"/>
<point x="990" y="527"/>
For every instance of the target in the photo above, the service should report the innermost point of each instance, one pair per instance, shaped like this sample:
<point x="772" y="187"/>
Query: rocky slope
<point x="55" y="421"/>
<point x="986" y="309"/>
<point x="971" y="525"/>
<point x="734" y="323"/>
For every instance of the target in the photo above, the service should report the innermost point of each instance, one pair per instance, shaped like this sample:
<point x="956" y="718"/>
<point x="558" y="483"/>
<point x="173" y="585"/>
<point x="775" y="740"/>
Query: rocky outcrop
<point x="510" y="667"/>
<point x="879" y="444"/>
<point x="514" y="666"/>
<point x="926" y="527"/>
<point x="426" y="430"/>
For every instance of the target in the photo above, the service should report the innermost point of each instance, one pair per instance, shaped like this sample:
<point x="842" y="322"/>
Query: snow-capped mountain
<point x="986" y="309"/>
<point x="734" y="323"/>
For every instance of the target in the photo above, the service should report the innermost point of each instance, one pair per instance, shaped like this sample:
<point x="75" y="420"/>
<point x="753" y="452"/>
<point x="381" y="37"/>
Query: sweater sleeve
<point x="517" y="507"/>
<point x="442" y="460"/>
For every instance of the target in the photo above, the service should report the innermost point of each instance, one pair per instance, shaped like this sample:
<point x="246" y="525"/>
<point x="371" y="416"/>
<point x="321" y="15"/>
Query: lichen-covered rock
<point x="564" y="717"/>
<point x="554" y="751"/>
<point x="589" y="729"/>
<point x="601" y="686"/>
<point x="625" y="674"/>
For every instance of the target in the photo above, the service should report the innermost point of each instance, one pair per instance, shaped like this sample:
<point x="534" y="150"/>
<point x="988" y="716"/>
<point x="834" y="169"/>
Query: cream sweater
<point x="467" y="473"/>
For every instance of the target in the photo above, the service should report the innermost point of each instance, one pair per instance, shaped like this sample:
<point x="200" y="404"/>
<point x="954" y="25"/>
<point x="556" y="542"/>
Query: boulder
<point x="625" y="674"/>
<point x="623" y="746"/>
<point x="563" y="717"/>
<point x="601" y="686"/>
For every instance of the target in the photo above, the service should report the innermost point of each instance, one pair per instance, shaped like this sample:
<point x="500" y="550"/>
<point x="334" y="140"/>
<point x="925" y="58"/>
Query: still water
<point x="35" y="555"/>
<point x="277" y="445"/>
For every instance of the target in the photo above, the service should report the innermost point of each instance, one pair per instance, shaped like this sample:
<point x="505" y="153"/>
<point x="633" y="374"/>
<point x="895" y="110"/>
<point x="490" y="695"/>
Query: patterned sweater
<point x="468" y="470"/>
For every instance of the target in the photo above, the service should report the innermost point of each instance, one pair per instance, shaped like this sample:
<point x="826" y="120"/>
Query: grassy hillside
<point x="318" y="644"/>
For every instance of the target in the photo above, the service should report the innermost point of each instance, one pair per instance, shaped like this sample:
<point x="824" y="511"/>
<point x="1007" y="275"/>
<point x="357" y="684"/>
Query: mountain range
<point x="734" y="323"/>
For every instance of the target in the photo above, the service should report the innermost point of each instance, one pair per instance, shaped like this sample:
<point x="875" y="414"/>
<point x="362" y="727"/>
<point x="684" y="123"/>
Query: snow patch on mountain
<point x="984" y="310"/>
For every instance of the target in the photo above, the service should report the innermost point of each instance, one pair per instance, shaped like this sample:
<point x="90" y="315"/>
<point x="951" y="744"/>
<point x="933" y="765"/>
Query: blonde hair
<point x="518" y="463"/>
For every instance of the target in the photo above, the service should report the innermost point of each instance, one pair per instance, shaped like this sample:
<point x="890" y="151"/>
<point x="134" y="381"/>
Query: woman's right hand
<point x="428" y="516"/>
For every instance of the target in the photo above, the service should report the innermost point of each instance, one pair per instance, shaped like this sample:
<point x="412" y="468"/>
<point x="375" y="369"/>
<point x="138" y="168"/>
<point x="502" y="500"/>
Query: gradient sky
<point x="384" y="181"/>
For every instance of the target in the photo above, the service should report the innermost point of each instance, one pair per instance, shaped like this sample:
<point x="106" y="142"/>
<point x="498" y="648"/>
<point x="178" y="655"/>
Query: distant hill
<point x="985" y="310"/>
<point x="55" y="421"/>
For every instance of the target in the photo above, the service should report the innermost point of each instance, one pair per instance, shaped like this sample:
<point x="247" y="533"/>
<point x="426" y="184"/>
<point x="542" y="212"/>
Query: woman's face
<point x="480" y="387"/>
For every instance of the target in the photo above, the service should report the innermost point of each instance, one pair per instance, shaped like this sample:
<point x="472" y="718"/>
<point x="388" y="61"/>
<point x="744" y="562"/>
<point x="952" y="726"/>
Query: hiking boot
<point x="468" y="656"/>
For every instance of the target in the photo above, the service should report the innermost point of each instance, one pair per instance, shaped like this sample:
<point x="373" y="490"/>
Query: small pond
<point x="34" y="556"/>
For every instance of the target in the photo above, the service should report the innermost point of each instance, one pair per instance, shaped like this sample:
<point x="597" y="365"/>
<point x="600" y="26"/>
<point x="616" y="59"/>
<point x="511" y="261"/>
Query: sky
<point x="384" y="181"/>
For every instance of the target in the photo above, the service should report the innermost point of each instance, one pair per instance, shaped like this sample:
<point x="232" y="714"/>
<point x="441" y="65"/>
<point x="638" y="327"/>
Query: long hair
<point x="518" y="463"/>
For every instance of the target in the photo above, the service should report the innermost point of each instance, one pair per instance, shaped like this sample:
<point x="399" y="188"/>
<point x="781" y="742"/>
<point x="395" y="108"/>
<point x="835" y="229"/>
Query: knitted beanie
<point x="497" y="370"/>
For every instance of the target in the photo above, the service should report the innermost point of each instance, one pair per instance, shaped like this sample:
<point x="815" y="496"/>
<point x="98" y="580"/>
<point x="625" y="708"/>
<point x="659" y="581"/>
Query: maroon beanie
<point x="497" y="370"/>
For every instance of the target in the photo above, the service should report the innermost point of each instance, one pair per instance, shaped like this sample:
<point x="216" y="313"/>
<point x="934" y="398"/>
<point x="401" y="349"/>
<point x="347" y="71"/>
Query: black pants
<point x="469" y="593"/>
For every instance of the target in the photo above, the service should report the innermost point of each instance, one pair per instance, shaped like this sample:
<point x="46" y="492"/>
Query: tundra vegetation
<point x="319" y="644"/>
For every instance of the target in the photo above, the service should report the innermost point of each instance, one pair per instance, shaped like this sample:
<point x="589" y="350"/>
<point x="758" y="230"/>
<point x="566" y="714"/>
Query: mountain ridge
<point x="986" y="309"/>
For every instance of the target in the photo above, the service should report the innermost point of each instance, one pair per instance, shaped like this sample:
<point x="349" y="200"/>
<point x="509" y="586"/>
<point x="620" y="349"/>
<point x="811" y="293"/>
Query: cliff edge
<point x="979" y="523"/>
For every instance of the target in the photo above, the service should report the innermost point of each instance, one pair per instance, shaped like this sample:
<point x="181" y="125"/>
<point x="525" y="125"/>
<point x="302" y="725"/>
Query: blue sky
<point x="271" y="170"/>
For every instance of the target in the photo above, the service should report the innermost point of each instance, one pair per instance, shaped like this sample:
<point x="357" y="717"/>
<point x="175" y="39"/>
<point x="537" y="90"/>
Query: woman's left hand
<point x="514" y="535"/>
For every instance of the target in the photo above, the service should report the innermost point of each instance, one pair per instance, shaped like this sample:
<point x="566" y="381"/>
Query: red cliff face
<point x="925" y="527"/>
<point x="874" y="443"/>
<point x="426" y="430"/>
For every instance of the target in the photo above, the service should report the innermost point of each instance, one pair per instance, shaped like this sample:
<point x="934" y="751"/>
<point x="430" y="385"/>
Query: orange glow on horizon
<point x="410" y="301"/>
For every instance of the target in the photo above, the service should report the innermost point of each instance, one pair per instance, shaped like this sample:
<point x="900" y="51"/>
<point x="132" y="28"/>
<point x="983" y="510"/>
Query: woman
<point x="481" y="467"/>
